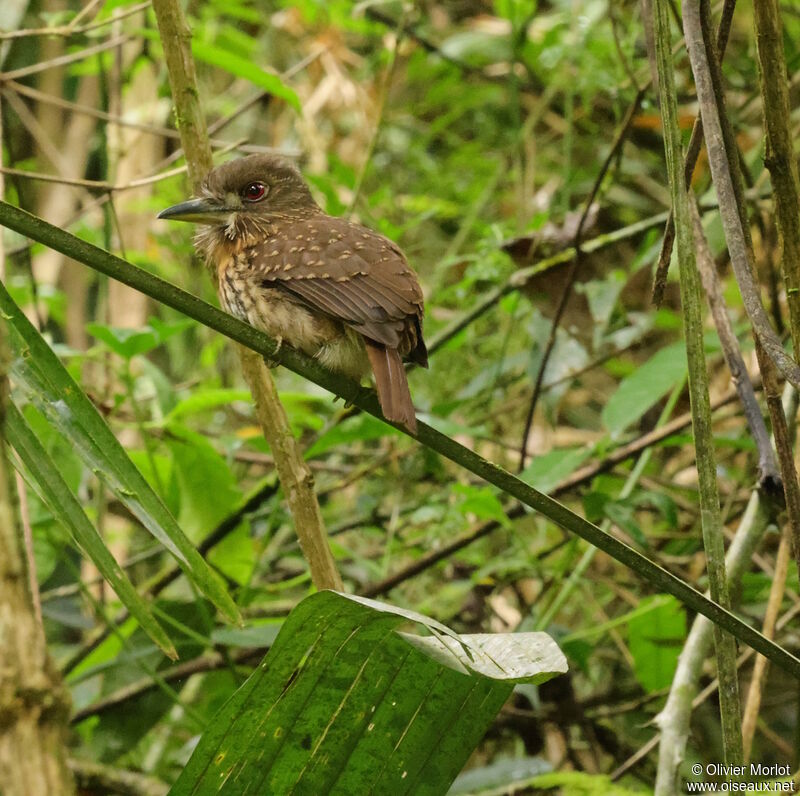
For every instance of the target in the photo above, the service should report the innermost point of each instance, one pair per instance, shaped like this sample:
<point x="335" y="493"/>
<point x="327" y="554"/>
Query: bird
<point x="334" y="289"/>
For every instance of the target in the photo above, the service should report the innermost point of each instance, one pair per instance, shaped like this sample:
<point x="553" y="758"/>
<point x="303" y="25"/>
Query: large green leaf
<point x="344" y="703"/>
<point x="58" y="497"/>
<point x="49" y="386"/>
<point x="646" y="385"/>
<point x="545" y="472"/>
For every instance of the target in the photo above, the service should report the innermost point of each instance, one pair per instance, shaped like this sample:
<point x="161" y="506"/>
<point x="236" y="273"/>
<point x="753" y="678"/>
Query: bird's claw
<point x="273" y="363"/>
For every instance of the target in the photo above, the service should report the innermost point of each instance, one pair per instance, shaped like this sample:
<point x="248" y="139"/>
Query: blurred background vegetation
<point x="482" y="137"/>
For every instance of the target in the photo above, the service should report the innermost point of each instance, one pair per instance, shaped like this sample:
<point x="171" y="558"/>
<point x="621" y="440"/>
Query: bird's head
<point x="260" y="188"/>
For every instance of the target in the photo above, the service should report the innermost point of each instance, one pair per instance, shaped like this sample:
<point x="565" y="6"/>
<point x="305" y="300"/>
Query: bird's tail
<point x="392" y="384"/>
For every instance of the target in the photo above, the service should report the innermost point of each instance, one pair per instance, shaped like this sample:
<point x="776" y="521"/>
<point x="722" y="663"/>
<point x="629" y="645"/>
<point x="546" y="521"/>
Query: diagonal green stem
<point x="171" y="295"/>
<point x="691" y="303"/>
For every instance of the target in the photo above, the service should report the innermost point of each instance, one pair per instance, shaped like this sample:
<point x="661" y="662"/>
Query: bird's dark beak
<point x="200" y="211"/>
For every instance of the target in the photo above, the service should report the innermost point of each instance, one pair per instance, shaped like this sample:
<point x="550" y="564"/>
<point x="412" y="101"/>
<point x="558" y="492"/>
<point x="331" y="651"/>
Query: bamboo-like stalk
<point x="728" y="179"/>
<point x="294" y="474"/>
<point x="690" y="161"/>
<point x="176" y="41"/>
<point x="692" y="302"/>
<point x="782" y="165"/>
<point x="727" y="175"/>
<point x="173" y="296"/>
<point x="674" y="718"/>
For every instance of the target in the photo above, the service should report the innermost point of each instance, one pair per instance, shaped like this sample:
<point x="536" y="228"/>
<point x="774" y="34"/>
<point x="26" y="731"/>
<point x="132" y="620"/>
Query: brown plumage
<point x="333" y="289"/>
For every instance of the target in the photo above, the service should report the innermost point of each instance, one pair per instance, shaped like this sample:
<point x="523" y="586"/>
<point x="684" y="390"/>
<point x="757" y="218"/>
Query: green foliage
<point x="546" y="471"/>
<point x="646" y="385"/>
<point x="390" y="711"/>
<point x="58" y="497"/>
<point x="655" y="638"/>
<point x="129" y="343"/>
<point x="457" y="129"/>
<point x="237" y="66"/>
<point x="52" y="390"/>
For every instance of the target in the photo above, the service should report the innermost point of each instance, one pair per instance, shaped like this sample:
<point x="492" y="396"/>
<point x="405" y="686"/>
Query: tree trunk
<point x="34" y="705"/>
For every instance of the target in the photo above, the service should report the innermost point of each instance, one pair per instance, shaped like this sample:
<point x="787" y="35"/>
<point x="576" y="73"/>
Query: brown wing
<point x="350" y="273"/>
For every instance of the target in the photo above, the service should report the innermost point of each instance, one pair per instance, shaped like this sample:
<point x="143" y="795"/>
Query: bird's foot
<point x="273" y="363"/>
<point x="361" y="393"/>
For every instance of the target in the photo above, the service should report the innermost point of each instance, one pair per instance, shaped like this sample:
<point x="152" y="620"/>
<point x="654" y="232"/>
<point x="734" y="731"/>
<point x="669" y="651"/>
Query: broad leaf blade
<point x="343" y="704"/>
<point x="58" y="497"/>
<point x="49" y="386"/>
<point x="647" y="384"/>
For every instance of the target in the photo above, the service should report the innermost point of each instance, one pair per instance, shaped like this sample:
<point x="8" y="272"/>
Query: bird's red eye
<point x="254" y="191"/>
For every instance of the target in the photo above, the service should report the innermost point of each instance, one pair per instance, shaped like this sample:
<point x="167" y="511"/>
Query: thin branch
<point x="37" y="132"/>
<point x="782" y="164"/>
<point x="726" y="172"/>
<point x="769" y="474"/>
<point x="673" y="720"/>
<point x="177" y="671"/>
<point x="187" y="304"/>
<point x="93" y="777"/>
<point x="100" y="185"/>
<point x="777" y="590"/>
<point x="689" y="163"/>
<point x="732" y="223"/>
<point x="176" y="40"/>
<point x="70" y="29"/>
<point x="691" y="305"/>
<point x="64" y="60"/>
<point x="576" y="478"/>
<point x="572" y="273"/>
<point x="172" y="571"/>
<point x="151" y="129"/>
<point x="519" y="279"/>
<point x="30" y="558"/>
<point x="376" y="15"/>
<point x="708" y="691"/>
<point x="567" y="587"/>
<point x="383" y="94"/>
<point x="294" y="473"/>
<point x="88" y="9"/>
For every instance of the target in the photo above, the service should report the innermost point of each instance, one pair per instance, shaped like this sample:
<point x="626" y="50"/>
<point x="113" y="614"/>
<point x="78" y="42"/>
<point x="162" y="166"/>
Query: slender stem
<point x="769" y="474"/>
<point x="761" y="666"/>
<point x="782" y="165"/>
<point x="294" y="473"/>
<point x="674" y="718"/>
<point x="627" y="490"/>
<point x="30" y="558"/>
<point x="690" y="161"/>
<point x="691" y="301"/>
<point x="172" y="296"/>
<point x="520" y="278"/>
<point x="176" y="42"/>
<point x="728" y="188"/>
<point x="383" y="94"/>
<point x="572" y="274"/>
<point x="726" y="169"/>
